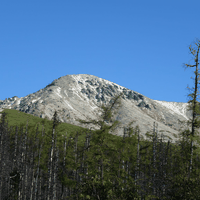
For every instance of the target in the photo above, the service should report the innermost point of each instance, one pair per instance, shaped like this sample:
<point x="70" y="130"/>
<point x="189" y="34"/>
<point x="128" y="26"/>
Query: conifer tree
<point x="96" y="157"/>
<point x="193" y="102"/>
<point x="106" y="175"/>
<point x="55" y="119"/>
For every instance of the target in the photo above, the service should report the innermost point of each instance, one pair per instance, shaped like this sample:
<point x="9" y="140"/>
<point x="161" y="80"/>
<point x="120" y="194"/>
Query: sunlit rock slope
<point x="80" y="96"/>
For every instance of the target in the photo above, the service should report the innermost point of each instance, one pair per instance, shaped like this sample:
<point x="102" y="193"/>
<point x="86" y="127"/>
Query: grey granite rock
<point x="80" y="97"/>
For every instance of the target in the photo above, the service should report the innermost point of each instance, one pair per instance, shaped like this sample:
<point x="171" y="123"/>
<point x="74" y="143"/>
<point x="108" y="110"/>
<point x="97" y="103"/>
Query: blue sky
<point x="141" y="45"/>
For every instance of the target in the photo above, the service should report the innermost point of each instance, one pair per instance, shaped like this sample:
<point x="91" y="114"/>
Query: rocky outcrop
<point x="80" y="97"/>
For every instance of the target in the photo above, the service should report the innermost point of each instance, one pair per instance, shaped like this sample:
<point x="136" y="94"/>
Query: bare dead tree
<point x="51" y="166"/>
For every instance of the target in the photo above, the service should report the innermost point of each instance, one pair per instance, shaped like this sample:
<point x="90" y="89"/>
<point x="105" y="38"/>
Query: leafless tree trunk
<point x="21" y="164"/>
<point x="64" y="158"/>
<point x="3" y="148"/>
<point x="38" y="165"/>
<point x="25" y="163"/>
<point x="154" y="158"/>
<point x="55" y="171"/>
<point x="50" y="167"/>
<point x="138" y="158"/>
<point x="76" y="159"/>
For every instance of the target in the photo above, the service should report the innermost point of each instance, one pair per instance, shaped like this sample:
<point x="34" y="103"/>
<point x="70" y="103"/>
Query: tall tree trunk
<point x="25" y="163"/>
<point x="33" y="164"/>
<point x="154" y="158"/>
<point x="50" y="167"/>
<point x="38" y="165"/>
<point x="138" y="158"/>
<point x="3" y="133"/>
<point x="63" y="187"/>
<point x="76" y="159"/>
<point x="55" y="171"/>
<point x="194" y="103"/>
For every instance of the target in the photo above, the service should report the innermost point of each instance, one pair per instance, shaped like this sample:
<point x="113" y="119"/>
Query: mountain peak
<point x="80" y="96"/>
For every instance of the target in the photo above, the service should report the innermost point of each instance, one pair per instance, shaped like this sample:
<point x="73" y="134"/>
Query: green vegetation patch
<point x="18" y="118"/>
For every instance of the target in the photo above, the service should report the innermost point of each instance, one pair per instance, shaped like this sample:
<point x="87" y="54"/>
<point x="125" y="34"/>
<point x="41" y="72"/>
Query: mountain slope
<point x="80" y="96"/>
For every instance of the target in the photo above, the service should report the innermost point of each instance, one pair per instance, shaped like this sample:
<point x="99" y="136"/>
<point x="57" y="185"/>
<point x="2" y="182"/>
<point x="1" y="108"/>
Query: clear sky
<point x="141" y="45"/>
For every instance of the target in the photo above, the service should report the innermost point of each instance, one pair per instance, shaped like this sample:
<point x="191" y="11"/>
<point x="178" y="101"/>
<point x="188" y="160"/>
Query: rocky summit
<point x="80" y="97"/>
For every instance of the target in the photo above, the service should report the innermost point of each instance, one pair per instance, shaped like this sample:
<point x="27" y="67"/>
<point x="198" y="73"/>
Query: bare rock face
<point x="80" y="97"/>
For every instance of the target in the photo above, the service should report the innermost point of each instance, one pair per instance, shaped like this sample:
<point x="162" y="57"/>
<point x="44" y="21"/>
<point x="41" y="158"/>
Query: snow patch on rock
<point x="68" y="104"/>
<point x="58" y="92"/>
<point x="175" y="107"/>
<point x="35" y="100"/>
